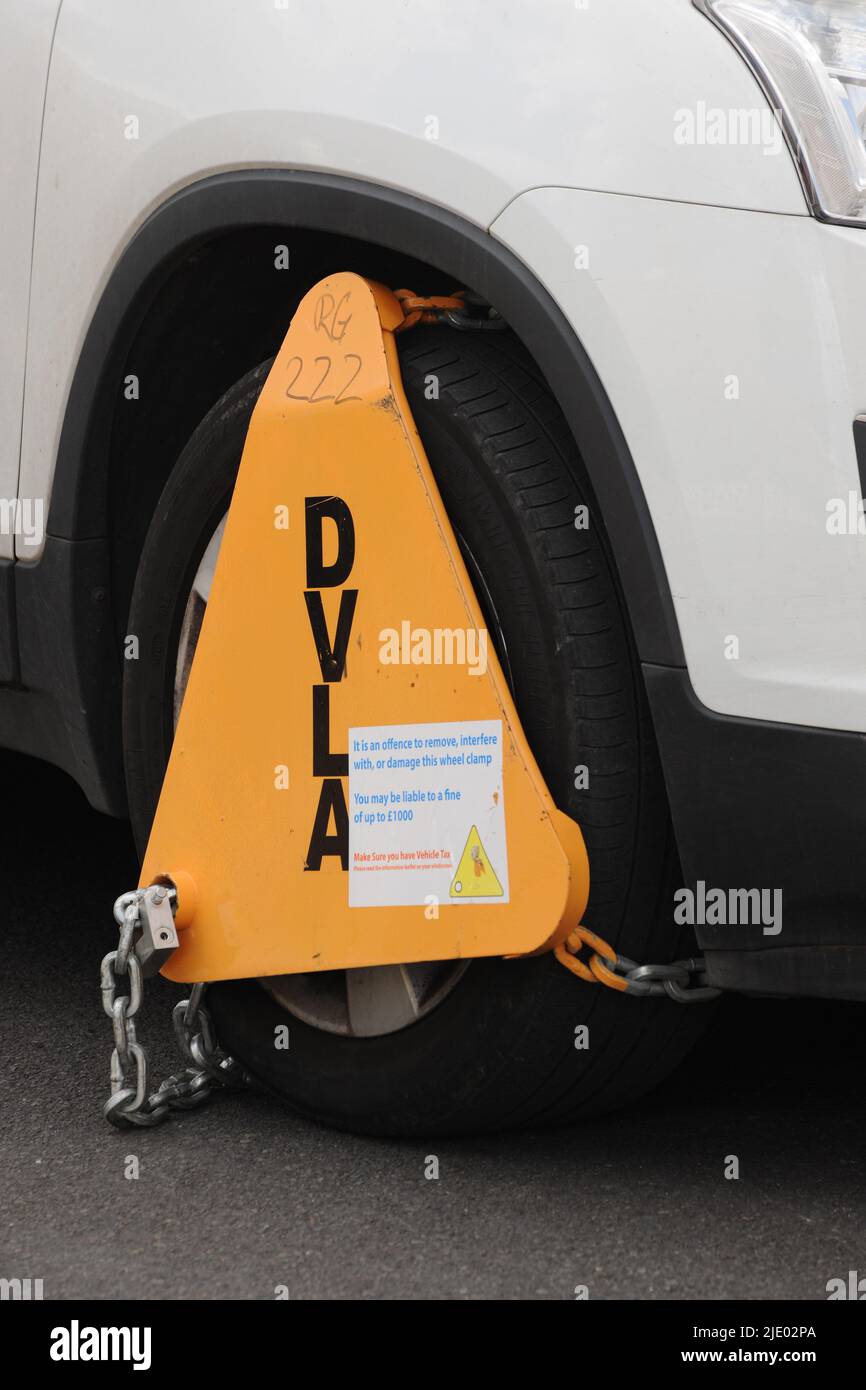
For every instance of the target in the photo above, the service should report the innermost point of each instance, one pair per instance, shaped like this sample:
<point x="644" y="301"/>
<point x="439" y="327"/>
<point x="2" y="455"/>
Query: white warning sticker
<point x="426" y="814"/>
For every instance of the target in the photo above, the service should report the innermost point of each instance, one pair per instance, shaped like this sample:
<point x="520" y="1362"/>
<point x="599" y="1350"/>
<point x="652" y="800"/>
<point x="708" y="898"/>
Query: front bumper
<point x="775" y="807"/>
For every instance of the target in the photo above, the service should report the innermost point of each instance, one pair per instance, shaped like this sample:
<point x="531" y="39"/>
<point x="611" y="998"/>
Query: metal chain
<point x="684" y="981"/>
<point x="130" y="1104"/>
<point x="463" y="309"/>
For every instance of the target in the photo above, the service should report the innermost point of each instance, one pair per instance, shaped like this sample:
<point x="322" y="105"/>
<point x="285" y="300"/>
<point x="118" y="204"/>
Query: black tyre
<point x="494" y="1043"/>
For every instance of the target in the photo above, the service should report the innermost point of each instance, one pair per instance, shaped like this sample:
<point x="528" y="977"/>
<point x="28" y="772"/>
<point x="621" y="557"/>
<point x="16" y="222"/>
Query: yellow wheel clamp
<point x="350" y="784"/>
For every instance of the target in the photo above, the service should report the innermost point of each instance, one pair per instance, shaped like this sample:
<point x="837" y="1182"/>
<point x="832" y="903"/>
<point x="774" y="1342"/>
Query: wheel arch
<point x="383" y="217"/>
<point x="75" y="575"/>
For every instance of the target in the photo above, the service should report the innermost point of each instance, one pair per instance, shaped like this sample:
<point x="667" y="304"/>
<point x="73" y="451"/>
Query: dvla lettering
<point x="331" y="651"/>
<point x="77" y="1343"/>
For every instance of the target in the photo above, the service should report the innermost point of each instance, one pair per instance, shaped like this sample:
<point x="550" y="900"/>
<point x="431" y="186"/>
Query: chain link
<point x="208" y="1067"/>
<point x="463" y="309"/>
<point x="684" y="981"/>
<point x="130" y="1104"/>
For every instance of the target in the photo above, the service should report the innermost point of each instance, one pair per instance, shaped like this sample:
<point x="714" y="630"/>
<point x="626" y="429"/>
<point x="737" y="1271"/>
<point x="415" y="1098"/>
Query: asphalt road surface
<point x="242" y="1196"/>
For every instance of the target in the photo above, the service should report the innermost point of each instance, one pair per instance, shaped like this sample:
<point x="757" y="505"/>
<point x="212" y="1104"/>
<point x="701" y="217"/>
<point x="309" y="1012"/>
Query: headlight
<point x="810" y="57"/>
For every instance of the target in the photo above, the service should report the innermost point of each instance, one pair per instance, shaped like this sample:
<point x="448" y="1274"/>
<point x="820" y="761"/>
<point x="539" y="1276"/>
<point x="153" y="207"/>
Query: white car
<point x="663" y="208"/>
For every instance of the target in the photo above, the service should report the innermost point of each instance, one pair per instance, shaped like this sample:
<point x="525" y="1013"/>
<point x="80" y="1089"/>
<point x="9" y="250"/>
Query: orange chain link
<point x="419" y="308"/>
<point x="598" y="970"/>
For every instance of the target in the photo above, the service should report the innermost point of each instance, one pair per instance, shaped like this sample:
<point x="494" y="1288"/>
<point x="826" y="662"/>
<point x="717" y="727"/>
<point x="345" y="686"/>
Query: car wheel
<point x="456" y="1047"/>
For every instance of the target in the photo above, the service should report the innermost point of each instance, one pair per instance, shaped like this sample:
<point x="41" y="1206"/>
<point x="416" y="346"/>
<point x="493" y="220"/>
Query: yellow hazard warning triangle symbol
<point x="475" y="877"/>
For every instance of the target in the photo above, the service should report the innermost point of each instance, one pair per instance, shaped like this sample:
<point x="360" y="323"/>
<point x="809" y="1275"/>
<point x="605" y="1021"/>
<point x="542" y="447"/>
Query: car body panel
<point x="733" y="348"/>
<point x="26" y="30"/>
<point x="463" y="103"/>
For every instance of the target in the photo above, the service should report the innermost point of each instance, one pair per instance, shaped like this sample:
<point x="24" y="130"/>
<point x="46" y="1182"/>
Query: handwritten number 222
<point x="316" y="394"/>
